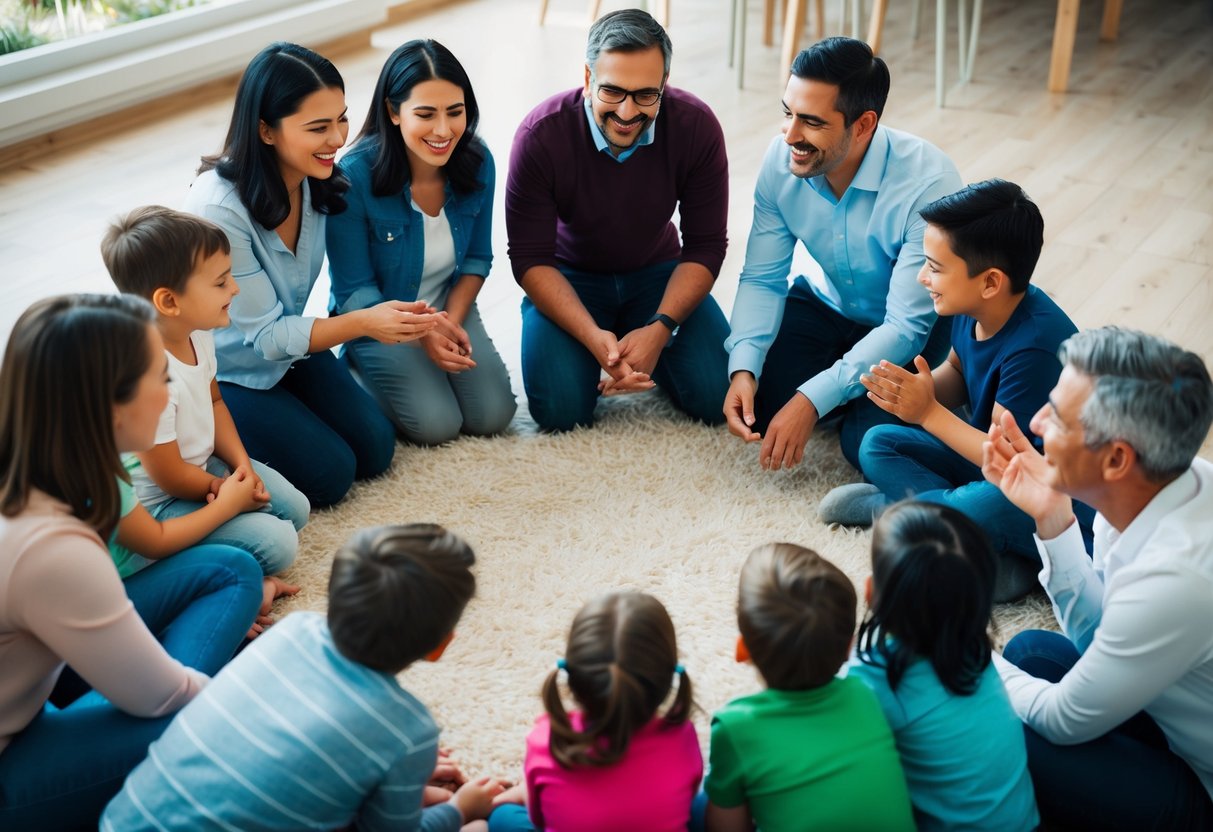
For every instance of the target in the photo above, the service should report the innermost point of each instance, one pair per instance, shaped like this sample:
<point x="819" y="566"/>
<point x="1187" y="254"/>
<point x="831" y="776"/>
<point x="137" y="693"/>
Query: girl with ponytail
<point x="623" y="758"/>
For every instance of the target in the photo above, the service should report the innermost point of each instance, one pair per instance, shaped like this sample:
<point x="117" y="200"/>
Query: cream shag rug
<point x="645" y="500"/>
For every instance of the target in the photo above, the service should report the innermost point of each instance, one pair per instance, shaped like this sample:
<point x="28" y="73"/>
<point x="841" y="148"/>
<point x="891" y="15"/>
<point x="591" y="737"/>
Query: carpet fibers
<point x="645" y="500"/>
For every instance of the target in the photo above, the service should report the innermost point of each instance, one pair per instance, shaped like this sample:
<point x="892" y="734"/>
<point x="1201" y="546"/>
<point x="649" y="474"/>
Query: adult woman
<point x="419" y="225"/>
<point x="84" y="379"/>
<point x="271" y="189"/>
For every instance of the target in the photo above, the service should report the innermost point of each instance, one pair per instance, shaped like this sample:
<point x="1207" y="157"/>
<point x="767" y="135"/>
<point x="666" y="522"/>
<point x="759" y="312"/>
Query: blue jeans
<point x="811" y="337"/>
<point x="62" y="769"/>
<point x="1127" y="779"/>
<point x="561" y="376"/>
<point x="317" y="427"/>
<point x="429" y="405"/>
<point x="906" y="461"/>
<point x="270" y="534"/>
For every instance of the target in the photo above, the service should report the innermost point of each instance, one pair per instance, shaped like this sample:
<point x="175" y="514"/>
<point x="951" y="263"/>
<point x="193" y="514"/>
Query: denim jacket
<point x="376" y="247"/>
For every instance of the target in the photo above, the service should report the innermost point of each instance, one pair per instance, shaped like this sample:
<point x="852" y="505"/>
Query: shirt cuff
<point x="1056" y="549"/>
<point x="747" y="357"/>
<point x="823" y="393"/>
<point x="476" y="266"/>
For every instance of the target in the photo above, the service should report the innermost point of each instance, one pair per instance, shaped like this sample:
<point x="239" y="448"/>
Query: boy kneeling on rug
<point x="308" y="726"/>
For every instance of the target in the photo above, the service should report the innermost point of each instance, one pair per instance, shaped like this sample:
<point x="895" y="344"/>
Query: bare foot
<point x="259" y="625"/>
<point x="273" y="588"/>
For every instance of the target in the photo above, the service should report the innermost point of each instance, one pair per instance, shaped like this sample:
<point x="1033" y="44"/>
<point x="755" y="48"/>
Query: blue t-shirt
<point x="1017" y="366"/>
<point x="964" y="756"/>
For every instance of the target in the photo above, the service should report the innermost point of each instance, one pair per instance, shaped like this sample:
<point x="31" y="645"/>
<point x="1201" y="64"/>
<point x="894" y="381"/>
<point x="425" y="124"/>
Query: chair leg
<point x="876" y="25"/>
<point x="1063" y="45"/>
<point x="856" y="15"/>
<point x="768" y="22"/>
<point x="962" y="40"/>
<point x="793" y="25"/>
<point x="1111" y="19"/>
<point x="595" y="5"/>
<point x="974" y="33"/>
<point x="915" y="18"/>
<point x="741" y="45"/>
<point x="819" y="19"/>
<point x="941" y="42"/>
<point x="663" y="13"/>
<point x="543" y="11"/>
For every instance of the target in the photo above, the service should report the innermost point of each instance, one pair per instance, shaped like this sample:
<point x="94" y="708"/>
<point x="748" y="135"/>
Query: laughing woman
<point x="419" y="225"/>
<point x="271" y="189"/>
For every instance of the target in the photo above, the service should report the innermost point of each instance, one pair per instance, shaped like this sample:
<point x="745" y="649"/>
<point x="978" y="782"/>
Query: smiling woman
<point x="271" y="189"/>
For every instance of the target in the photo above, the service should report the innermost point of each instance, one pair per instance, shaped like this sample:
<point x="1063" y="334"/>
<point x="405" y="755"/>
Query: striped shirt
<point x="290" y="735"/>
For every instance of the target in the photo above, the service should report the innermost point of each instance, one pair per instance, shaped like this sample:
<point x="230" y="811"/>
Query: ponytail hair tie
<point x="561" y="664"/>
<point x="679" y="669"/>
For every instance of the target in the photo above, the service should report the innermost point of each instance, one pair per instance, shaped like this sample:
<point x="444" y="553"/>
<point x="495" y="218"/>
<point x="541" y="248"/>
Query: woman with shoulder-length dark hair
<point x="271" y="189"/>
<point x="419" y="225"/>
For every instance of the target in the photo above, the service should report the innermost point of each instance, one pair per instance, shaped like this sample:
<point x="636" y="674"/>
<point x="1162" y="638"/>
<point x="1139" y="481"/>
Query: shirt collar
<point x="600" y="141"/>
<point x="871" y="169"/>
<point x="1177" y="492"/>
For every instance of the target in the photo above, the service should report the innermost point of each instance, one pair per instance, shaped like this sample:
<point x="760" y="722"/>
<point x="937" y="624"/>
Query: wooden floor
<point x="1121" y="165"/>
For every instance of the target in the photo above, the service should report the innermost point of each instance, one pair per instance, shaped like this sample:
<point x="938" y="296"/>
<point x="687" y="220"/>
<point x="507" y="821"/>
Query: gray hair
<point x="627" y="30"/>
<point x="1147" y="392"/>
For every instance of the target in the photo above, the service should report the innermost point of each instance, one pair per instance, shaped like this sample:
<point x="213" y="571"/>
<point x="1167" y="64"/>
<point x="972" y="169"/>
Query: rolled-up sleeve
<point x="479" y="257"/>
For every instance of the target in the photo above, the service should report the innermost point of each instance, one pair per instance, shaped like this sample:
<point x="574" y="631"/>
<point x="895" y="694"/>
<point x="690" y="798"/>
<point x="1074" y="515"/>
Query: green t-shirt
<point x="128" y="562"/>
<point x="813" y="759"/>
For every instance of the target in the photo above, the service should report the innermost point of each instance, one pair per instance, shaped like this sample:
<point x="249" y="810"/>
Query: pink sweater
<point x="61" y="601"/>
<point x="651" y="788"/>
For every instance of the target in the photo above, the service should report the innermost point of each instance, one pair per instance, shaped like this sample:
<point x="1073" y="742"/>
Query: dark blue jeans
<point x="561" y="376"/>
<point x="317" y="427"/>
<point x="811" y="338"/>
<point x="1128" y="779"/>
<point x="62" y="769"/>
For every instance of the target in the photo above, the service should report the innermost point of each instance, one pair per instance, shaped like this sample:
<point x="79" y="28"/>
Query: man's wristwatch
<point x="666" y="321"/>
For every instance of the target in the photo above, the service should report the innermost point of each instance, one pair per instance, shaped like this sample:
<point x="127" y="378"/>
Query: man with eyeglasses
<point x="595" y="177"/>
<point x="849" y="189"/>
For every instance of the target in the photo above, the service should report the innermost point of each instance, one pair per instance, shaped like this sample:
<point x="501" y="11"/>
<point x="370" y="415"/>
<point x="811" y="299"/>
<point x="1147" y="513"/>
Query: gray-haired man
<point x="1119" y="708"/>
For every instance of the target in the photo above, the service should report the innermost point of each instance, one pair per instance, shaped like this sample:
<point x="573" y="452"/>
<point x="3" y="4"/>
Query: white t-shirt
<point x="439" y="257"/>
<point x="189" y="418"/>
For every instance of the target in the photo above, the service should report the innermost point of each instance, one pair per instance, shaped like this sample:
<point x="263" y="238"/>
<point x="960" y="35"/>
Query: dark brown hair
<point x="396" y="592"/>
<point x="155" y="247"/>
<point x="796" y="613"/>
<point x="69" y="360"/>
<point x="621" y="660"/>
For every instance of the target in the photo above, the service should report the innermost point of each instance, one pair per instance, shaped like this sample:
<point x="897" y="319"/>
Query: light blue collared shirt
<point x="600" y="142"/>
<point x="868" y="244"/>
<point x="268" y="332"/>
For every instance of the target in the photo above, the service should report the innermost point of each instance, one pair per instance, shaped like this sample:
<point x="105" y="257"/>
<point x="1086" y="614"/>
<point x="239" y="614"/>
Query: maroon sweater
<point x="567" y="203"/>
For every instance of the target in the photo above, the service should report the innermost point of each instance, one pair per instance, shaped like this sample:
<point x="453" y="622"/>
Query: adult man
<point x="1121" y="432"/>
<point x="849" y="189"/>
<point x="594" y="178"/>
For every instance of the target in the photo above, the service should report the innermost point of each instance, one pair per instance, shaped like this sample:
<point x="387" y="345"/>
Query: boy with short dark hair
<point x="981" y="246"/>
<point x="308" y="726"/>
<point x="813" y="751"/>
<point x="182" y="264"/>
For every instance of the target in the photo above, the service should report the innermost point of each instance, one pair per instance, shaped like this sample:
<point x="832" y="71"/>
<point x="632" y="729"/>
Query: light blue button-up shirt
<point x="600" y="142"/>
<point x="268" y="332"/>
<point x="868" y="244"/>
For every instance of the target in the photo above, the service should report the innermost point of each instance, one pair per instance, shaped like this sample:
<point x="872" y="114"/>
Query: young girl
<point x="925" y="651"/>
<point x="420" y="225"/>
<point x="615" y="763"/>
<point x="270" y="189"/>
<point x="83" y="380"/>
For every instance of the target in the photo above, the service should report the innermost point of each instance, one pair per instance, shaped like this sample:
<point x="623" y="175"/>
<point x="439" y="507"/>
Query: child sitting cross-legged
<point x="308" y="727"/>
<point x="813" y="751"/>
<point x="197" y="483"/>
<point x="618" y="762"/>
<point x="924" y="650"/>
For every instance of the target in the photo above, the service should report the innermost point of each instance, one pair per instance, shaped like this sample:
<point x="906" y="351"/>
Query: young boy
<point x="981" y="246"/>
<point x="813" y="751"/>
<point x="307" y="727"/>
<point x="182" y="264"/>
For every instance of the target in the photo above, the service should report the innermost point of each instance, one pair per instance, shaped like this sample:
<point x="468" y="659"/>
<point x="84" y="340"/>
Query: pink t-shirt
<point x="651" y="788"/>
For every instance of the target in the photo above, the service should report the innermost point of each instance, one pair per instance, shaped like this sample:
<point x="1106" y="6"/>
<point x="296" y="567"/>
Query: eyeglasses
<point x="615" y="95"/>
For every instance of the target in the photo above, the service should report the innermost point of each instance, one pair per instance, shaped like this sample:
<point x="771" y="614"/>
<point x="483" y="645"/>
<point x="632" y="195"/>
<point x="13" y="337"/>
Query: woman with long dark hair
<point x="419" y="225"/>
<point x="271" y="189"/>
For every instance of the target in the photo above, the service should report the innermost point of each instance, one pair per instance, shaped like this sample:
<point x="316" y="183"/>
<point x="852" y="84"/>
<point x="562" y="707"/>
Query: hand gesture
<point x="238" y="492"/>
<point x="447" y="771"/>
<point x="446" y="353"/>
<point x="1009" y="461"/>
<point x="395" y="322"/>
<point x="474" y="800"/>
<point x="908" y="396"/>
<point x="739" y="406"/>
<point x="623" y="377"/>
<point x="642" y="347"/>
<point x="788" y="433"/>
<point x="259" y="493"/>
<point x="446" y="326"/>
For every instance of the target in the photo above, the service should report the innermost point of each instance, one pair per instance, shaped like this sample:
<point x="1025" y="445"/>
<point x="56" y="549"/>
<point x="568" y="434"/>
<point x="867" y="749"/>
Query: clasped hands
<point x="444" y="341"/>
<point x="628" y="361"/>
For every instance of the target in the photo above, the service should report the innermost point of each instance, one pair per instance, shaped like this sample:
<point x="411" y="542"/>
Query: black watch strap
<point x="665" y="320"/>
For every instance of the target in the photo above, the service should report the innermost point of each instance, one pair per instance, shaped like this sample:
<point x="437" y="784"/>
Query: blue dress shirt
<point x="377" y="245"/>
<point x="268" y="332"/>
<point x="869" y="245"/>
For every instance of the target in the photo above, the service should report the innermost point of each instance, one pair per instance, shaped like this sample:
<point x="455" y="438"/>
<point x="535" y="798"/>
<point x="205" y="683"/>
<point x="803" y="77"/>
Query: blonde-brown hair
<point x="796" y="613"/>
<point x="69" y="360"/>
<point x="621" y="661"/>
<point x="155" y="247"/>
